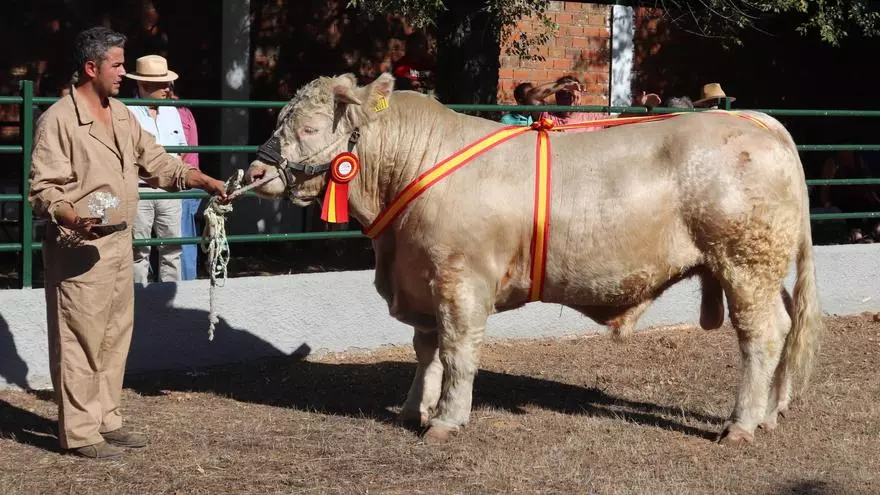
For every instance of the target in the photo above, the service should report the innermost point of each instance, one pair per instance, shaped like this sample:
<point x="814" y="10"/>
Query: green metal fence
<point x="26" y="246"/>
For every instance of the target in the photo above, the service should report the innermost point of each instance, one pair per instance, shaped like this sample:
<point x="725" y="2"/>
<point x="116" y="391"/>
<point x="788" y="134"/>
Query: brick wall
<point x="581" y="47"/>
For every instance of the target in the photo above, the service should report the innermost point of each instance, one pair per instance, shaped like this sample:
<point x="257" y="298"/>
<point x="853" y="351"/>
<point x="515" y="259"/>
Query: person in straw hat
<point x="711" y="96"/>
<point x="154" y="80"/>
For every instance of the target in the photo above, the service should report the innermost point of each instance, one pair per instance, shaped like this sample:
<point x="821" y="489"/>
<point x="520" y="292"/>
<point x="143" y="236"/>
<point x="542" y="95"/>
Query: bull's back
<point x="638" y="206"/>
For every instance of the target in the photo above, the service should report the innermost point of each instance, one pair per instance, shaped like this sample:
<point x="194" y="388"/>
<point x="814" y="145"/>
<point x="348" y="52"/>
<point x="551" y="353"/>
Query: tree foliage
<point x="505" y="14"/>
<point x="832" y="20"/>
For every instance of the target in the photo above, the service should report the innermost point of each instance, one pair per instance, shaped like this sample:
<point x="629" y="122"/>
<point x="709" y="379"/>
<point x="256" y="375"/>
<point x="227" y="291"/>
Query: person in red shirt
<point x="189" y="207"/>
<point x="415" y="69"/>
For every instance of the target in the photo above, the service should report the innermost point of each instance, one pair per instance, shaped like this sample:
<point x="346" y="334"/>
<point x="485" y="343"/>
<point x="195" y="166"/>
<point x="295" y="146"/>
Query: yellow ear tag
<point x="381" y="104"/>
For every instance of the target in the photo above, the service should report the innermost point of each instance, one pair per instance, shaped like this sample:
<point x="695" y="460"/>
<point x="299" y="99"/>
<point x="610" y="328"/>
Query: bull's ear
<point x="379" y="92"/>
<point x="344" y="89"/>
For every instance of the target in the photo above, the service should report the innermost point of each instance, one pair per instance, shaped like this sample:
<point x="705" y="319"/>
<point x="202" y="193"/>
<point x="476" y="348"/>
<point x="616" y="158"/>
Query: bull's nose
<point x="254" y="173"/>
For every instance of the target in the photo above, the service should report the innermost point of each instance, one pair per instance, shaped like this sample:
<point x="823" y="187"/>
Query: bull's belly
<point x="618" y="289"/>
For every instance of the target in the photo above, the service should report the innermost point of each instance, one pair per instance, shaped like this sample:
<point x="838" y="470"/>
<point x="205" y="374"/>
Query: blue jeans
<point x="189" y="257"/>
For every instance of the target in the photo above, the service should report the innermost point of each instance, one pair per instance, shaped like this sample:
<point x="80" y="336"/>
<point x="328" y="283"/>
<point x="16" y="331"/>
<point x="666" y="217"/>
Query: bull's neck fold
<point x="391" y="154"/>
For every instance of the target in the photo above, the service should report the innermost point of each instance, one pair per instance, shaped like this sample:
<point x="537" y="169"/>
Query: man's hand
<point x="196" y="179"/>
<point x="572" y="86"/>
<point x="67" y="218"/>
<point x="646" y="100"/>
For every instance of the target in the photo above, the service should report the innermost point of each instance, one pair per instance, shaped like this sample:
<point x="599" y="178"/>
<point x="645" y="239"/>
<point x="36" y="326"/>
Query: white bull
<point x="633" y="210"/>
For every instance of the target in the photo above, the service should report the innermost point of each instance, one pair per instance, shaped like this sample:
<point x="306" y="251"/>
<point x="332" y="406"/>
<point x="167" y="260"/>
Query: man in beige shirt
<point x="88" y="143"/>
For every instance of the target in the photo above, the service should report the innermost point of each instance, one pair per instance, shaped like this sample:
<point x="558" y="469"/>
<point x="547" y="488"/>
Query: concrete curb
<point x="296" y="314"/>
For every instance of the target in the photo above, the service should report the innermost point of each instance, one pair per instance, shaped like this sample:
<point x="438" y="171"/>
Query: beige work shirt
<point x="75" y="156"/>
<point x="89" y="283"/>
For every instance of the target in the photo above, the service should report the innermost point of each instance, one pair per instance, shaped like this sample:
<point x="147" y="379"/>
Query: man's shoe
<point x="100" y="450"/>
<point x="122" y="437"/>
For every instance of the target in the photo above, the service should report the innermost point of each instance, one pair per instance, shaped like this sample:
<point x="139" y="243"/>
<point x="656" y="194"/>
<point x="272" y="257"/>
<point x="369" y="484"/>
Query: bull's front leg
<point x="463" y="307"/>
<point x="421" y="401"/>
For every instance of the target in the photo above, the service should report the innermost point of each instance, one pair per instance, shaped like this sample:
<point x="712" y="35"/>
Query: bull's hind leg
<point x="463" y="309"/>
<point x="754" y="312"/>
<point x="780" y="391"/>
<point x="421" y="401"/>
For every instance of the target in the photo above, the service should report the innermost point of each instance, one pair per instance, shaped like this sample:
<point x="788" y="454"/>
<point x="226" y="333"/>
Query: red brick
<point x="541" y="76"/>
<point x="597" y="43"/>
<point x="596" y="32"/>
<point x="597" y="20"/>
<point x="522" y="75"/>
<point x="561" y="63"/>
<point x="563" y="19"/>
<point x="578" y="42"/>
<point x="575" y="31"/>
<point x="572" y="52"/>
<point x="574" y="6"/>
<point x="596" y="89"/>
<point x="509" y="61"/>
<point x="594" y="100"/>
<point x="505" y="73"/>
<point x="557" y="52"/>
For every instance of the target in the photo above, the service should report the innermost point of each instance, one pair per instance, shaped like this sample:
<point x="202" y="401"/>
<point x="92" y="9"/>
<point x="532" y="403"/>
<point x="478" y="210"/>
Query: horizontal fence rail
<point x="26" y="246"/>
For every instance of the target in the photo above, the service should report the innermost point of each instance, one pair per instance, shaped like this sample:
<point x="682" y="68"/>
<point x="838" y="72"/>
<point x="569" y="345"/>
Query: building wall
<point x="582" y="47"/>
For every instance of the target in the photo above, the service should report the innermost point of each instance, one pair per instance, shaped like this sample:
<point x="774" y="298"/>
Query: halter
<point x="270" y="153"/>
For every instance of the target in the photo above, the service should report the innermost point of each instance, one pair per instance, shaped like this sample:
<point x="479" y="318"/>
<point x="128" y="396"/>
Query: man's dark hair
<point x="521" y="91"/>
<point x="93" y="45"/>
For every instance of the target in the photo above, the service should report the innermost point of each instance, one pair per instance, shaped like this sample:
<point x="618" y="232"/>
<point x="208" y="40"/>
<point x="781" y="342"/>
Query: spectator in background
<point x="520" y="94"/>
<point x="164" y="215"/>
<point x="847" y="164"/>
<point x="189" y="256"/>
<point x="415" y="69"/>
<point x="712" y="96"/>
<point x="567" y="91"/>
<point x="682" y="102"/>
<point x="647" y="100"/>
<point x="152" y="37"/>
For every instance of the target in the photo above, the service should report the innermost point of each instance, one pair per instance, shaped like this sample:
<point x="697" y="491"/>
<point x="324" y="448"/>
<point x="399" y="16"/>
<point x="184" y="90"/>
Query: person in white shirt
<point x="162" y="215"/>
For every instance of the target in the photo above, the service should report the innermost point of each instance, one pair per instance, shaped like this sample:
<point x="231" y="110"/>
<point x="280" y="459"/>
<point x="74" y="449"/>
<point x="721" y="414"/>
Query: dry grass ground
<point x="576" y="415"/>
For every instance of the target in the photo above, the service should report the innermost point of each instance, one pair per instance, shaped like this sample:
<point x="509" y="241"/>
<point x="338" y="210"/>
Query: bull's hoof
<point x="735" y="436"/>
<point x="769" y="423"/>
<point x="439" y="434"/>
<point x="412" y="419"/>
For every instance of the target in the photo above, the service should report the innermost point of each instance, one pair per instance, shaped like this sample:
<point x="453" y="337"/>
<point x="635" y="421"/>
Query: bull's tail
<point x="807" y="327"/>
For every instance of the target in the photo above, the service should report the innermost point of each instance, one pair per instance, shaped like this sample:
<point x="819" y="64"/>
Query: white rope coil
<point x="214" y="241"/>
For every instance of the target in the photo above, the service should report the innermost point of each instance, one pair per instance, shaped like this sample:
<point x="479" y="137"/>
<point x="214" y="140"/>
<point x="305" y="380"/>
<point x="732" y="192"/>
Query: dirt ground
<point x="568" y="415"/>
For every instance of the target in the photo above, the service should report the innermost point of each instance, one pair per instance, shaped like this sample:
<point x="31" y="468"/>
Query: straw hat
<point x="712" y="91"/>
<point x="152" y="68"/>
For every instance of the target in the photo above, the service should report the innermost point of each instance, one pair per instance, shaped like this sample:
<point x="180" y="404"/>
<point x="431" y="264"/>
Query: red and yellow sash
<point x="541" y="223"/>
<point x="543" y="165"/>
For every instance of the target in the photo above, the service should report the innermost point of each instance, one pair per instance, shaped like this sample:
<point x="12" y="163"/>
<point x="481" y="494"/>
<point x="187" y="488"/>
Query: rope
<point x="214" y="241"/>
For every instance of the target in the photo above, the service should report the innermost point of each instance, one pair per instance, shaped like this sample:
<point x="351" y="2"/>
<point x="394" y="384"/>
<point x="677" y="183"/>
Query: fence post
<point x="27" y="218"/>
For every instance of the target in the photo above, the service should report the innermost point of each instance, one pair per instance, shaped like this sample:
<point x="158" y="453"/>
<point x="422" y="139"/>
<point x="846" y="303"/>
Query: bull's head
<point x="322" y="120"/>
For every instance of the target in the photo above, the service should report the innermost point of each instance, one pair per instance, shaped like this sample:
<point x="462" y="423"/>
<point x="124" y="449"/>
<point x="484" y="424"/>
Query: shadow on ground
<point x="375" y="390"/>
<point x="27" y="427"/>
